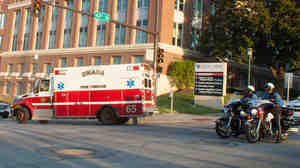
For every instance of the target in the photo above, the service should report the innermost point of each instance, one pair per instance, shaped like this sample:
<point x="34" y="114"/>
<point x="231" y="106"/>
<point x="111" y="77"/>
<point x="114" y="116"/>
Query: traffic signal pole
<point x="155" y="35"/>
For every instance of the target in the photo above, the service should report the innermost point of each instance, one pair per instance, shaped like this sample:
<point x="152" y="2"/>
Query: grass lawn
<point x="183" y="103"/>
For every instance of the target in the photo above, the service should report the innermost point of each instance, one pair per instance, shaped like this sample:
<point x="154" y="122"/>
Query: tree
<point x="182" y="74"/>
<point x="270" y="27"/>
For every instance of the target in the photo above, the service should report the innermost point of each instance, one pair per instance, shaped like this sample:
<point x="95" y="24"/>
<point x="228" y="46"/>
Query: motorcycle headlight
<point x="253" y="112"/>
<point x="243" y="114"/>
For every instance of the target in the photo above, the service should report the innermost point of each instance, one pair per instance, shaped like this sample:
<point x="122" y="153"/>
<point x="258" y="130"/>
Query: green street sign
<point x="102" y="16"/>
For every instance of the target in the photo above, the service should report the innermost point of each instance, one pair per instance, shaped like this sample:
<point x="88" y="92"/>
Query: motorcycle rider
<point x="271" y="94"/>
<point x="250" y="96"/>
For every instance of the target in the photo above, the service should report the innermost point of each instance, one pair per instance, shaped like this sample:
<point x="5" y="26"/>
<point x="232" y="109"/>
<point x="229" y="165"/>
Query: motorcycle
<point x="261" y="125"/>
<point x="287" y="121"/>
<point x="235" y="115"/>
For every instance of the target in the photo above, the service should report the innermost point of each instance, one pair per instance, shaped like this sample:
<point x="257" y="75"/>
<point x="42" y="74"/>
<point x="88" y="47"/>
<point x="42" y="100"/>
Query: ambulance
<point x="110" y="93"/>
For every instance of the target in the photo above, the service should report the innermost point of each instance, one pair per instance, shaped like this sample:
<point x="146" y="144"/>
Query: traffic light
<point x="160" y="56"/>
<point x="36" y="7"/>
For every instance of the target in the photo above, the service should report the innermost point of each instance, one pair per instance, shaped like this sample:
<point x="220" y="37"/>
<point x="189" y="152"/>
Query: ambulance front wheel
<point x="22" y="115"/>
<point x="108" y="116"/>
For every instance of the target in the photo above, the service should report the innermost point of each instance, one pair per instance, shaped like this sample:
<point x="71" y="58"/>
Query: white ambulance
<point x="110" y="93"/>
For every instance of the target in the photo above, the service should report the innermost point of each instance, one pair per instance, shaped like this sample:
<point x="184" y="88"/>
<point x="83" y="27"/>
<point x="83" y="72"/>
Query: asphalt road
<point x="152" y="145"/>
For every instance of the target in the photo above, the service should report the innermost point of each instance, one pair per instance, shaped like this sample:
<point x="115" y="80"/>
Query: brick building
<point x="30" y="46"/>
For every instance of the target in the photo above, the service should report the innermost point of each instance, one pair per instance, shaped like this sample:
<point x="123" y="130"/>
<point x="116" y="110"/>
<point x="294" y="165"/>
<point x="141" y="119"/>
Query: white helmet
<point x="270" y="86"/>
<point x="251" y="88"/>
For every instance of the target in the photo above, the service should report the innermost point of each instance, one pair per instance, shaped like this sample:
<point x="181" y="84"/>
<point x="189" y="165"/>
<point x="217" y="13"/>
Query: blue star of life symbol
<point x="60" y="85"/>
<point x="130" y="83"/>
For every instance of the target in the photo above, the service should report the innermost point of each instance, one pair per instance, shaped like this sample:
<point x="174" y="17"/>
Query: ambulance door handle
<point x="63" y="95"/>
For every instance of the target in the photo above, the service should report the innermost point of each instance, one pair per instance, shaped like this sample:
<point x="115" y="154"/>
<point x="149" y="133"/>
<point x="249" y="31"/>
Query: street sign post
<point x="102" y="16"/>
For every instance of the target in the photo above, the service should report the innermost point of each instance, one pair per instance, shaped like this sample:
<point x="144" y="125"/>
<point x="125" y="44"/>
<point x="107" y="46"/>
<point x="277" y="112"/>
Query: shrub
<point x="182" y="74"/>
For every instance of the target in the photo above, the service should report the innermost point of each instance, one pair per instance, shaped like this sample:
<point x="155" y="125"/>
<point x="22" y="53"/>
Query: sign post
<point x="288" y="84"/>
<point x="172" y="100"/>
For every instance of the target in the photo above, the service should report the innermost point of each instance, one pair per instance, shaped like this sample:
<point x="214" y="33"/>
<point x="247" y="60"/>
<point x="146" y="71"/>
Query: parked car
<point x="4" y="110"/>
<point x="295" y="106"/>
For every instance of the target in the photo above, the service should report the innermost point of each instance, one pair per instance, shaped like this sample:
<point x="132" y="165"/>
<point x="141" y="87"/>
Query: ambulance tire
<point x="108" y="116"/>
<point x="22" y="115"/>
<point x="123" y="120"/>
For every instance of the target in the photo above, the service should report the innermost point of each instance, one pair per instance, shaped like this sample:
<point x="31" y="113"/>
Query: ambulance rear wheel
<point x="22" y="115"/>
<point x="108" y="116"/>
<point x="123" y="120"/>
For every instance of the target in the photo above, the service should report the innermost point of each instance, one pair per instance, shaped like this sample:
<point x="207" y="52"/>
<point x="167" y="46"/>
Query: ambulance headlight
<point x="253" y="112"/>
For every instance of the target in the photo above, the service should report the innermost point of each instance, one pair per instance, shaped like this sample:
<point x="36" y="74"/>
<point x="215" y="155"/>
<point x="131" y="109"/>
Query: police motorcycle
<point x="262" y="123"/>
<point x="235" y="115"/>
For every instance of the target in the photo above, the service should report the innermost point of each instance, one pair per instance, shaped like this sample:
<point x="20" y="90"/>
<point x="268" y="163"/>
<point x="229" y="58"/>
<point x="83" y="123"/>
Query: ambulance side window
<point x="149" y="83"/>
<point x="44" y="86"/>
<point x="36" y="86"/>
<point x="146" y="83"/>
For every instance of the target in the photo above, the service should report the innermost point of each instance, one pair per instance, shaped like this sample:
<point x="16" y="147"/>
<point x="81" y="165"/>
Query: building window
<point x="117" y="59"/>
<point x="197" y="8"/>
<point x="34" y="68"/>
<point x="100" y="34"/>
<point x="53" y="28"/>
<point x="143" y="3"/>
<point x="212" y="8"/>
<point x="139" y="59"/>
<point x="122" y="5"/>
<point x="141" y="37"/>
<point x="40" y="29"/>
<point x="20" y="89"/>
<point x="22" y="69"/>
<point x="83" y="37"/>
<point x="48" y="68"/>
<point x="79" y="61"/>
<point x="67" y="38"/>
<point x="97" y="60"/>
<point x="120" y="34"/>
<point x="10" y="68"/>
<point x="179" y="5"/>
<point x="52" y="39"/>
<point x="68" y="25"/>
<point x="177" y="34"/>
<point x="84" y="24"/>
<point x="16" y="30"/>
<point x="2" y="20"/>
<point x="27" y="30"/>
<point x="63" y="62"/>
<point x="8" y="88"/>
<point x="102" y="6"/>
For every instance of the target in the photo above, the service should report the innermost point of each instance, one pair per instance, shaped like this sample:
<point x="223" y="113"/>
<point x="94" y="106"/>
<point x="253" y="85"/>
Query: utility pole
<point x="156" y="11"/>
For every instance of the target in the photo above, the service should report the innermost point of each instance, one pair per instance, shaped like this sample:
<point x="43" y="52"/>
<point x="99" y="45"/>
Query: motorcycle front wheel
<point x="221" y="129"/>
<point x="252" y="135"/>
